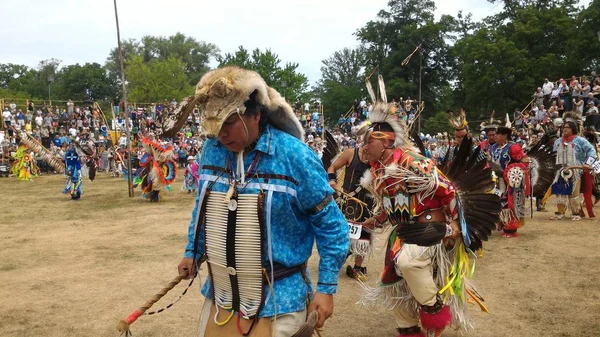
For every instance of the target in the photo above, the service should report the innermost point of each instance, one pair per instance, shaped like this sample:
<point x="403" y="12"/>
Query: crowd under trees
<point x="492" y="64"/>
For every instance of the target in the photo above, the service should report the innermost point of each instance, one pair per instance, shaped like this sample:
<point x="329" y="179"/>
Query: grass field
<point x="76" y="268"/>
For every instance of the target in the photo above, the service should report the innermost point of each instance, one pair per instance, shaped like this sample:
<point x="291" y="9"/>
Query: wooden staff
<point x="527" y="106"/>
<point x="349" y="112"/>
<point x="123" y="325"/>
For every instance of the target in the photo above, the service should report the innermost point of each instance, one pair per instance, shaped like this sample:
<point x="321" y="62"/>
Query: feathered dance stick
<point x="123" y="325"/>
<point x="407" y="59"/>
<point x="308" y="329"/>
<point x="39" y="149"/>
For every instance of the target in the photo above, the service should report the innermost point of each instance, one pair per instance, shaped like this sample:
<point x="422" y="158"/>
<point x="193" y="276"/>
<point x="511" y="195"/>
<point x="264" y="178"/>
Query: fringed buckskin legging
<point x="573" y="200"/>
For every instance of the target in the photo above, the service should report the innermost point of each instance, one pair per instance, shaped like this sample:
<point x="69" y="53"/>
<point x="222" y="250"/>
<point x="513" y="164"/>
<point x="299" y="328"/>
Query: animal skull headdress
<point x="222" y="93"/>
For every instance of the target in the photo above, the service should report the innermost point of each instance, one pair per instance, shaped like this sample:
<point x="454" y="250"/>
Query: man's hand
<point x="455" y="229"/>
<point x="187" y="267"/>
<point x="333" y="184"/>
<point x="323" y="304"/>
<point x="369" y="223"/>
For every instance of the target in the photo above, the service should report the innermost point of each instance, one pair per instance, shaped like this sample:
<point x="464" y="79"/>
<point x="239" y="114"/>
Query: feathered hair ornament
<point x="458" y="120"/>
<point x="491" y="124"/>
<point x="384" y="113"/>
<point x="572" y="117"/>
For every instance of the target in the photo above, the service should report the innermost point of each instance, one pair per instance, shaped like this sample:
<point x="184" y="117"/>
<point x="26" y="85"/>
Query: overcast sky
<point x="302" y="31"/>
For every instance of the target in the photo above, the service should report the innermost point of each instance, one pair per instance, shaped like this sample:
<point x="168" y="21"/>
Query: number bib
<point x="355" y="230"/>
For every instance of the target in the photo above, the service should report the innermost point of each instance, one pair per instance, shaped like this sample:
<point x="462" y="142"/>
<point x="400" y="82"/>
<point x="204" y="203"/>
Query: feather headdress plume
<point x="491" y="124"/>
<point x="458" y="120"/>
<point x="384" y="113"/>
<point x="572" y="117"/>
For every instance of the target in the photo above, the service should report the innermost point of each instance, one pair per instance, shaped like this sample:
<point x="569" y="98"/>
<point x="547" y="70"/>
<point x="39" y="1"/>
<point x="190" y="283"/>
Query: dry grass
<point x="76" y="268"/>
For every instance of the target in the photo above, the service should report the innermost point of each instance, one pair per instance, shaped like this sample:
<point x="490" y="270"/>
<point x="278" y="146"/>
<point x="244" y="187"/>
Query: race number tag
<point x="355" y="230"/>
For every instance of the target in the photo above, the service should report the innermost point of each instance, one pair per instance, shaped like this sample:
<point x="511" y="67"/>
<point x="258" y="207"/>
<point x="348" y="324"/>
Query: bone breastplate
<point x="233" y="245"/>
<point x="565" y="154"/>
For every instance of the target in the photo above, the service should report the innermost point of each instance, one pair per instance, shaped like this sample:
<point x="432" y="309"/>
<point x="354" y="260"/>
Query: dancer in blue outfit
<point x="263" y="201"/>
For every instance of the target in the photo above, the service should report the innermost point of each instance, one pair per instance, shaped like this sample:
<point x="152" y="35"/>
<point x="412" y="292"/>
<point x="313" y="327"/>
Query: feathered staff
<point x="407" y="59"/>
<point x="39" y="149"/>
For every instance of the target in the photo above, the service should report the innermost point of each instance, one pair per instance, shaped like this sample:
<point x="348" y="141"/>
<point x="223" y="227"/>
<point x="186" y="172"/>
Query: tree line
<point x="492" y="64"/>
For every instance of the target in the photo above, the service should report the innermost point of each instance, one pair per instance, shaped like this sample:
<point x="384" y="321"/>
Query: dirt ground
<point x="77" y="268"/>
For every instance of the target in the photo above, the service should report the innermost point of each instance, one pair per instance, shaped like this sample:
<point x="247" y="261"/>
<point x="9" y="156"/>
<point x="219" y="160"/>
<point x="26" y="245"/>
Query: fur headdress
<point x="222" y="92"/>
<point x="384" y="112"/>
<point x="458" y="120"/>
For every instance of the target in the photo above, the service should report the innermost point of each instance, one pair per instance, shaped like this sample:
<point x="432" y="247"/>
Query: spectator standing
<point x="6" y="117"/>
<point x="561" y="108"/>
<point x="592" y="109"/>
<point x="585" y="91"/>
<point x="70" y="107"/>
<point x="116" y="102"/>
<point x="578" y="105"/>
<point x="48" y="119"/>
<point x="547" y="91"/>
<point x="539" y="97"/>
<point x="39" y="120"/>
<point x="20" y="118"/>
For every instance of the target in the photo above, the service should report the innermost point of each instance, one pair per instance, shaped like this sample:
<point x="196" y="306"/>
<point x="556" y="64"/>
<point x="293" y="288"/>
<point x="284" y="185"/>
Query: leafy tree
<point x="394" y="35"/>
<point x="11" y="72"/>
<point x="85" y="82"/>
<point x="194" y="54"/>
<point x="508" y="55"/>
<point x="285" y="79"/>
<point x="157" y="80"/>
<point x="342" y="81"/>
<point x="437" y="123"/>
<point x="35" y="82"/>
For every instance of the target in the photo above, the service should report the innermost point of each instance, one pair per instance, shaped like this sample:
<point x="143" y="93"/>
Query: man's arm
<point x="329" y="226"/>
<point x="187" y="266"/>
<point x="588" y="148"/>
<point x="342" y="161"/>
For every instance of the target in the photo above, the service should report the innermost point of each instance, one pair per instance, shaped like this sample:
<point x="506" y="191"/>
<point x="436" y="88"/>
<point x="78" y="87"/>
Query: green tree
<point x="389" y="39"/>
<point x="194" y="54"/>
<point x="35" y="82"/>
<point x="85" y="82"/>
<point x="503" y="60"/>
<point x="437" y="123"/>
<point x="286" y="79"/>
<point x="342" y="81"/>
<point x="157" y="80"/>
<point x="11" y="72"/>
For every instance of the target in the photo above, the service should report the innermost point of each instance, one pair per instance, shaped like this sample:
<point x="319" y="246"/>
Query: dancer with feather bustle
<point x="427" y="215"/>
<point x="517" y="184"/>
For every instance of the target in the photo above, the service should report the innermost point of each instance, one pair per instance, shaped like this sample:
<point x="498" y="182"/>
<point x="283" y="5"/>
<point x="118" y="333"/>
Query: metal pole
<point x="124" y="93"/>
<point x="420" y="76"/>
